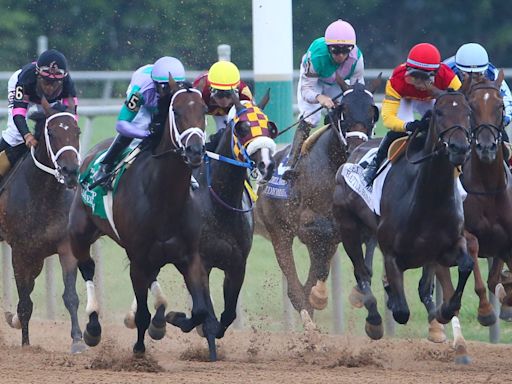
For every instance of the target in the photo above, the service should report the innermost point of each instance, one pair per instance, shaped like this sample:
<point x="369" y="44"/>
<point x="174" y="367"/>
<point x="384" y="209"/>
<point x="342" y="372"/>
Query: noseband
<point x="56" y="171"/>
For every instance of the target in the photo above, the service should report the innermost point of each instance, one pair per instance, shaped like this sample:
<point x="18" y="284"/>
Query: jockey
<point x="335" y="53"/>
<point x="473" y="59"/>
<point x="406" y="93"/>
<point x="217" y="86"/>
<point x="47" y="77"/>
<point x="139" y="108"/>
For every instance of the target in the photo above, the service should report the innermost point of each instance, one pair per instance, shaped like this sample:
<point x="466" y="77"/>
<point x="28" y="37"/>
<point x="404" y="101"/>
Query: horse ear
<point x="343" y="85"/>
<point x="375" y="114"/>
<point x="466" y="83"/>
<point x="172" y="83"/>
<point x="375" y="83"/>
<point x="499" y="79"/>
<point x="272" y="129"/>
<point x="264" y="100"/>
<point x="236" y="100"/>
<point x="46" y="106"/>
<point x="200" y="84"/>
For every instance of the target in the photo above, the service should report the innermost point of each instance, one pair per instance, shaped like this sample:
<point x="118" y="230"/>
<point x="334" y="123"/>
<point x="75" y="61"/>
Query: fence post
<point x="51" y="290"/>
<point x="337" y="295"/>
<point x="494" y="330"/>
<point x="86" y="136"/>
<point x="7" y="276"/>
<point x="224" y="52"/>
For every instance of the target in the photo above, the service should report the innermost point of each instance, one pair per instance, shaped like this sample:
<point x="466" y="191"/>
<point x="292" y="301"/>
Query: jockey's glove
<point x="412" y="126"/>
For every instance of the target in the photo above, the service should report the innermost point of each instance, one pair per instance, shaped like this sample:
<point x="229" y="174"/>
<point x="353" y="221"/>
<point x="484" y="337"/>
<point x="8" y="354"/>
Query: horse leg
<point x="397" y="302"/>
<point x="356" y="297"/>
<point x="320" y="254"/>
<point x="140" y="283"/>
<point x="425" y="290"/>
<point x="69" y="270"/>
<point x="25" y="271"/>
<point x="282" y="242"/>
<point x="486" y="315"/>
<point x="196" y="279"/>
<point x="465" y="266"/>
<point x="459" y="343"/>
<point x="82" y="233"/>
<point x="352" y="243"/>
<point x="233" y="280"/>
<point x="504" y="288"/>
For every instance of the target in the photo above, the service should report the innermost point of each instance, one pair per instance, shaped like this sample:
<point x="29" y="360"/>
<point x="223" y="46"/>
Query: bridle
<point x="54" y="156"/>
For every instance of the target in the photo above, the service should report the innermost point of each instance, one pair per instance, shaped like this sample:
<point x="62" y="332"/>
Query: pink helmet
<point x="340" y="33"/>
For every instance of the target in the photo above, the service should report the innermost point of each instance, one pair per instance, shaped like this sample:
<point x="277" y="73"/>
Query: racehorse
<point x="306" y="213"/>
<point x="154" y="217"/>
<point x="488" y="206"/>
<point x="227" y="223"/>
<point x="35" y="201"/>
<point x="421" y="220"/>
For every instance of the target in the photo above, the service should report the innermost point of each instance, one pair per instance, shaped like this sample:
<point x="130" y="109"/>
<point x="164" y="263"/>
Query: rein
<point x="51" y="154"/>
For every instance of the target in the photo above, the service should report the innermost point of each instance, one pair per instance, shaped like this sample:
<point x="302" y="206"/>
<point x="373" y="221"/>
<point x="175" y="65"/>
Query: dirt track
<point x="245" y="357"/>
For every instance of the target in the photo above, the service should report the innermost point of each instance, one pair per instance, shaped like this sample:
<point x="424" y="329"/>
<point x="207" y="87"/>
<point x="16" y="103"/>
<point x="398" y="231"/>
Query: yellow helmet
<point x="224" y="75"/>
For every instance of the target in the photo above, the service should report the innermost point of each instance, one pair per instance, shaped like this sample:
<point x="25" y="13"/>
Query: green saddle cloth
<point x="94" y="197"/>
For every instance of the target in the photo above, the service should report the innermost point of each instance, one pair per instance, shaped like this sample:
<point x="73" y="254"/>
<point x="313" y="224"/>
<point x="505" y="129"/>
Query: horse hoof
<point x="487" y="320"/>
<point x="91" y="340"/>
<point x="317" y="299"/>
<point x="356" y="298"/>
<point x="129" y="321"/>
<point x="401" y="317"/>
<point x="156" y="333"/>
<point x="174" y="317"/>
<point x="139" y="352"/>
<point x="13" y="320"/>
<point x="78" y="347"/>
<point x="506" y="313"/>
<point x="436" y="332"/>
<point x="374" y="332"/>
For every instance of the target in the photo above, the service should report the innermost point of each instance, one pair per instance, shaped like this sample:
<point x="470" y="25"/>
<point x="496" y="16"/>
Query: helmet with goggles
<point x="224" y="75"/>
<point x="52" y="65"/>
<point x="167" y="65"/>
<point x="472" y="57"/>
<point x="425" y="57"/>
<point x="340" y="33"/>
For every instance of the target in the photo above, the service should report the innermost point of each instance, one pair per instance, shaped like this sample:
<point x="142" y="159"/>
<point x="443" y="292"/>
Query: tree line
<point x="125" y="34"/>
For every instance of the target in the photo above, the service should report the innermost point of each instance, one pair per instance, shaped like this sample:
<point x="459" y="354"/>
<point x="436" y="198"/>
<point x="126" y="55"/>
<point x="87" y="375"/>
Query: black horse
<point x="35" y="201"/>
<point x="154" y="219"/>
<point x="307" y="212"/>
<point x="421" y="220"/>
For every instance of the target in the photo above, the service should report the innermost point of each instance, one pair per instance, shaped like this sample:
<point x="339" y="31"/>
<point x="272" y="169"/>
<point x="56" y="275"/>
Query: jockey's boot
<point x="301" y="134"/>
<point x="371" y="170"/>
<point x="106" y="165"/>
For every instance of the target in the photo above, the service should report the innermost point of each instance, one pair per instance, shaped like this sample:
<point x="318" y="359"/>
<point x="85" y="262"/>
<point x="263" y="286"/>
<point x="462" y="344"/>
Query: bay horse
<point x="488" y="205"/>
<point x="155" y="219"/>
<point x="421" y="220"/>
<point x="227" y="223"/>
<point x="307" y="211"/>
<point x="35" y="201"/>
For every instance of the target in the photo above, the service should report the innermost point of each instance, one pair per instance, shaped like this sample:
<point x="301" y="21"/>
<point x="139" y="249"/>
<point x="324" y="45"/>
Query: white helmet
<point x="472" y="57"/>
<point x="166" y="65"/>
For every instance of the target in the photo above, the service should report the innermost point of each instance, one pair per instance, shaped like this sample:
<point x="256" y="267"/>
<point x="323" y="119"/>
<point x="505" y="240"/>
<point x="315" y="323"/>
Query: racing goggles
<point x="340" y="49"/>
<point x="223" y="93"/>
<point x="420" y="74"/>
<point x="52" y="72"/>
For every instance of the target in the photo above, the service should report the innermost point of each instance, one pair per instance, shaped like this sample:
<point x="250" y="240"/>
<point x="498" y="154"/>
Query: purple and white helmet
<point x="166" y="65"/>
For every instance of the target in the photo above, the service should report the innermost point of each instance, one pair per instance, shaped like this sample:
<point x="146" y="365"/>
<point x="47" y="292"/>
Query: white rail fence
<point x="89" y="112"/>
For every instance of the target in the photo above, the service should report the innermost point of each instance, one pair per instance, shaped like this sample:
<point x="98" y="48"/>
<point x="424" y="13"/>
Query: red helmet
<point x="424" y="56"/>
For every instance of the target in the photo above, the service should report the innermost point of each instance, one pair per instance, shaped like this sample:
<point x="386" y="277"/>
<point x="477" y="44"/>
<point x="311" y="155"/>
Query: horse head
<point x="487" y="108"/>
<point x="357" y="113"/>
<point x="59" y="152"/>
<point x="253" y="136"/>
<point x="450" y="125"/>
<point x="185" y="125"/>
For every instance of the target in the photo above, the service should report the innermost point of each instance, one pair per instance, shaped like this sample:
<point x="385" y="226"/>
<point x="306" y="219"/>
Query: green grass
<point x="261" y="294"/>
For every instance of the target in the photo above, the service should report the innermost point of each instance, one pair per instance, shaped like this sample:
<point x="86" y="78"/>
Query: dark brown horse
<point x="307" y="212"/>
<point x="227" y="222"/>
<point x="421" y="212"/>
<point x="155" y="219"/>
<point x="35" y="203"/>
<point x="488" y="205"/>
